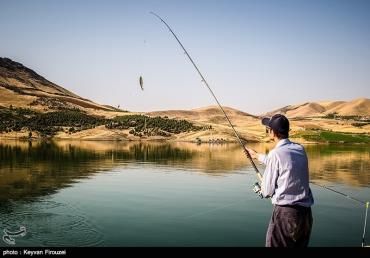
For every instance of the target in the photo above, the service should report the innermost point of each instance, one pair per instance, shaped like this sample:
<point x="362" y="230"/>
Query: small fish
<point x="141" y="83"/>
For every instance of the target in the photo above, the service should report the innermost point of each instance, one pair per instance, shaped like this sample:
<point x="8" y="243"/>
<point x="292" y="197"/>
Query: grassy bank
<point x="331" y="137"/>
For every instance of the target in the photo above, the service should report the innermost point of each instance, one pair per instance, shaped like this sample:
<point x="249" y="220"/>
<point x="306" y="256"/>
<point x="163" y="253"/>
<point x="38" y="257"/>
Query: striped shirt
<point x="286" y="177"/>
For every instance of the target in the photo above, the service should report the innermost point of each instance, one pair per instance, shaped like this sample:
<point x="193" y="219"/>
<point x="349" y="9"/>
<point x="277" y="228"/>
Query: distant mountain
<point x="356" y="107"/>
<point x="247" y="125"/>
<point x="211" y="114"/>
<point x="22" y="87"/>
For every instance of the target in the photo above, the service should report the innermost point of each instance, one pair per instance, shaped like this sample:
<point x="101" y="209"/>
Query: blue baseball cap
<point x="278" y="123"/>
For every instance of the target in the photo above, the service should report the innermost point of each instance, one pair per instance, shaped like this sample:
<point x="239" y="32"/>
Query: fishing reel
<point x="257" y="189"/>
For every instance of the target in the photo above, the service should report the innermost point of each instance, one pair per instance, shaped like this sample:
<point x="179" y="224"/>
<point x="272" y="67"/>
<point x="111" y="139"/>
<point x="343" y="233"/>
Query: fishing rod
<point x="353" y="199"/>
<point x="246" y="152"/>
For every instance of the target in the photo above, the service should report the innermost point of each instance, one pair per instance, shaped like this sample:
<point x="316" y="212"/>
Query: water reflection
<point x="31" y="170"/>
<point x="34" y="169"/>
<point x="345" y="164"/>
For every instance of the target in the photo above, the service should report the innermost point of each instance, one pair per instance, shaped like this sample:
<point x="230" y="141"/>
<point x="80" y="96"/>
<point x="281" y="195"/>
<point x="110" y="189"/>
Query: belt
<point x="294" y="206"/>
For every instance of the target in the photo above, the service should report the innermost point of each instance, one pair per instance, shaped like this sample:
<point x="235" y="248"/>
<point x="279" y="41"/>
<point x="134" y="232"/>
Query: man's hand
<point x="253" y="153"/>
<point x="257" y="189"/>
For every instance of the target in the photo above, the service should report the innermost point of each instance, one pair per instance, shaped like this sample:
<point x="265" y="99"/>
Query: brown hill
<point x="356" y="107"/>
<point x="203" y="113"/>
<point x="247" y="125"/>
<point x="23" y="87"/>
<point x="210" y="114"/>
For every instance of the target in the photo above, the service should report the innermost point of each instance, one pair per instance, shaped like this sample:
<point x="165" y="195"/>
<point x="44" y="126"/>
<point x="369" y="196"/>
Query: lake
<point x="71" y="193"/>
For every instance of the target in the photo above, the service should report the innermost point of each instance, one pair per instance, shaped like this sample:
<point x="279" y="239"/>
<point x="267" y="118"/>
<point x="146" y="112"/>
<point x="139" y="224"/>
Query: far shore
<point x="148" y="140"/>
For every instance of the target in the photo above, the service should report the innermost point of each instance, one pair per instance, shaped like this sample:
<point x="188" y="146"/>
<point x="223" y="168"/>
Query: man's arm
<point x="270" y="175"/>
<point x="259" y="156"/>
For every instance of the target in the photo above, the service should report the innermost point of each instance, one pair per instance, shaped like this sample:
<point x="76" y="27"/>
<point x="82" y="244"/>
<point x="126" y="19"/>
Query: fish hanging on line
<point x="141" y="83"/>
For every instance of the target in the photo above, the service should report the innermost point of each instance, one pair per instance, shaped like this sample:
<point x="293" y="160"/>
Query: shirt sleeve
<point x="270" y="175"/>
<point x="262" y="158"/>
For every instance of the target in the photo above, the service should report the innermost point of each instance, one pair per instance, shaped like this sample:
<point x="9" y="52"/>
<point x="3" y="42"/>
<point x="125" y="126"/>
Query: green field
<point x="332" y="137"/>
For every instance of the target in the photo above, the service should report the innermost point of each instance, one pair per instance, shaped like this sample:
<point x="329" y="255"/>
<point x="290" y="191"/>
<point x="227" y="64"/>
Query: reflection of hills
<point x="340" y="163"/>
<point x="30" y="170"/>
<point x="211" y="159"/>
<point x="41" y="169"/>
<point x="206" y="157"/>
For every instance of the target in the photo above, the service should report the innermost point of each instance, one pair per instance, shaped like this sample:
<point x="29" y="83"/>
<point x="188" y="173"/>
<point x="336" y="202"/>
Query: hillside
<point x="247" y="125"/>
<point x="357" y="107"/>
<point x="23" y="87"/>
<point x="210" y="114"/>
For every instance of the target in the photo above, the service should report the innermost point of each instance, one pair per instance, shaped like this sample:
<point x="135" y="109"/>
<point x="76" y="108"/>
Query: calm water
<point x="152" y="194"/>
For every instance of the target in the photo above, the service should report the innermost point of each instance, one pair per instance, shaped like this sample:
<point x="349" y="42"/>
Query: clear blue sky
<point x="256" y="55"/>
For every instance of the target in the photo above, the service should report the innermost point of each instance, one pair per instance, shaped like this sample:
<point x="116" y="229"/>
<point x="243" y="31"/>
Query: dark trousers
<point x="290" y="226"/>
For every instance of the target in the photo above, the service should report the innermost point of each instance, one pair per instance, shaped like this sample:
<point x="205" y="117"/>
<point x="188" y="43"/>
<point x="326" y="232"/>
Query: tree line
<point x="48" y="124"/>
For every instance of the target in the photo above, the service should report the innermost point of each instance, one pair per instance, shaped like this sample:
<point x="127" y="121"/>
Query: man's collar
<point x="282" y="142"/>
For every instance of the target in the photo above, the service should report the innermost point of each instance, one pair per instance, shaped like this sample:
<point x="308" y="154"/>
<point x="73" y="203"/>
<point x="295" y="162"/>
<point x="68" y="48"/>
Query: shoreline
<point x="38" y="139"/>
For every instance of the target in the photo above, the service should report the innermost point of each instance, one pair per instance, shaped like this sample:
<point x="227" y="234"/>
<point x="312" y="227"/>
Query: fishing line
<point x="246" y="152"/>
<point x="214" y="209"/>
<point x="343" y="194"/>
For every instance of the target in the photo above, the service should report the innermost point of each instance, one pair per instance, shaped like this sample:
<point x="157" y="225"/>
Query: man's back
<point x="286" y="178"/>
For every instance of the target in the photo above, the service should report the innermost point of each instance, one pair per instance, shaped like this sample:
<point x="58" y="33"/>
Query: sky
<point x="257" y="55"/>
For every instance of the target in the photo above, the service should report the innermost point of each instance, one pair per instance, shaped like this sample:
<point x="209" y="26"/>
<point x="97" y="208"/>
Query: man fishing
<point x="286" y="182"/>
